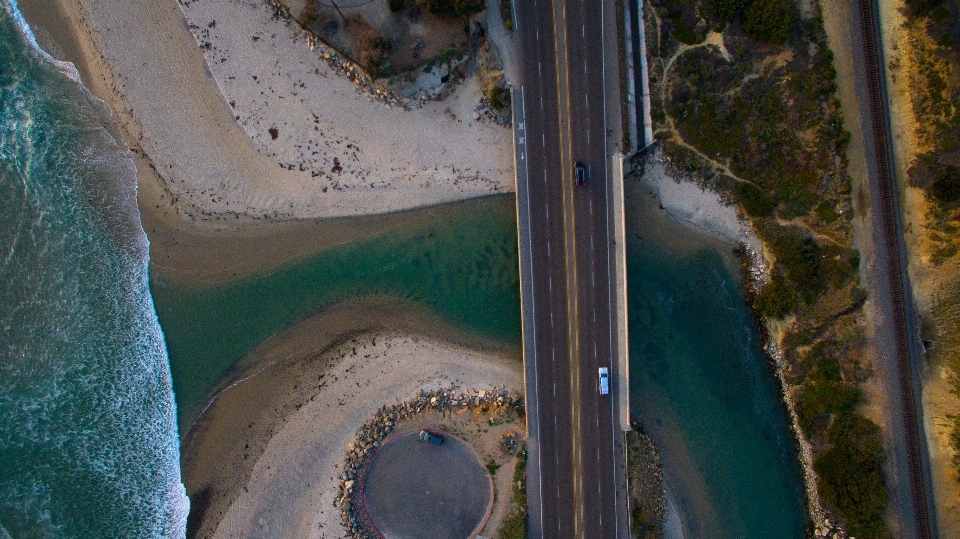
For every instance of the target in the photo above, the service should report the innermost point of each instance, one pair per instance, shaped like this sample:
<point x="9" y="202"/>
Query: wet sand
<point x="295" y="402"/>
<point x="194" y="235"/>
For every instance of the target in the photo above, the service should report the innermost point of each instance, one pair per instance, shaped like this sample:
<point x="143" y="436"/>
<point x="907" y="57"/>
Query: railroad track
<point x="888" y="208"/>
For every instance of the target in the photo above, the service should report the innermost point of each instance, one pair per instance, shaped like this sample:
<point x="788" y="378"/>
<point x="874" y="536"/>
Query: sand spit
<point x="265" y="458"/>
<point x="202" y="115"/>
<point x="294" y="483"/>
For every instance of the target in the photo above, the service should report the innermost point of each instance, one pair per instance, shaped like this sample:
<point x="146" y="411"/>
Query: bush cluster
<point x="782" y="132"/>
<point x="453" y="8"/>
<point x="754" y="200"/>
<point x="775" y="299"/>
<point x="946" y="187"/>
<point x="771" y="21"/>
<point x="374" y="51"/>
<point x="515" y="526"/>
<point x="851" y="477"/>
<point x="499" y="98"/>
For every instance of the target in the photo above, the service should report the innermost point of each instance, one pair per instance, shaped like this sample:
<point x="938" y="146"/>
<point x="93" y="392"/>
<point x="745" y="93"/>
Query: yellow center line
<point x="566" y="164"/>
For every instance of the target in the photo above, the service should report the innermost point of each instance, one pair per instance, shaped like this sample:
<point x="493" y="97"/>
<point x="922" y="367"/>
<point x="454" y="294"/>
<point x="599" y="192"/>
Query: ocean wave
<point x="88" y="436"/>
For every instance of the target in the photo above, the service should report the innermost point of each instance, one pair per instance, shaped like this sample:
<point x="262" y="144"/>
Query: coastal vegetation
<point x="744" y="102"/>
<point x="934" y="65"/>
<point x="393" y="39"/>
<point x="515" y="526"/>
<point x="926" y="63"/>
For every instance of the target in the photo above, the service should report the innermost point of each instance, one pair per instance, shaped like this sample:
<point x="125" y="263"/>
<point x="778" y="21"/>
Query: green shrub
<point x="946" y="187"/>
<point x="683" y="18"/>
<point x="499" y="98"/>
<point x="395" y="5"/>
<point x="922" y="7"/>
<point x="828" y="370"/>
<point x="514" y="527"/>
<point x="453" y="8"/>
<point x="827" y="212"/>
<point x="775" y="300"/>
<point x="753" y="200"/>
<point x="724" y="10"/>
<point x="800" y="256"/>
<point x="769" y="20"/>
<point x="940" y="14"/>
<point x="821" y="400"/>
<point x="851" y="474"/>
<point x="839" y="265"/>
<point x="374" y="51"/>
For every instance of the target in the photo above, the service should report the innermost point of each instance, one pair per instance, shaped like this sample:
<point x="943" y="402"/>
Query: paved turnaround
<point x="576" y="485"/>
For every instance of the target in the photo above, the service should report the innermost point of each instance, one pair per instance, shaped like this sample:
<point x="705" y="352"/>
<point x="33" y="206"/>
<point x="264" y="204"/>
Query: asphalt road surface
<point x="567" y="257"/>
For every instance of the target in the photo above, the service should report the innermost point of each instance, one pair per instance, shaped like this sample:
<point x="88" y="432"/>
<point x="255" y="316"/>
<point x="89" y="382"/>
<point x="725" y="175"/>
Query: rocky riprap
<point x="648" y="499"/>
<point x="371" y="435"/>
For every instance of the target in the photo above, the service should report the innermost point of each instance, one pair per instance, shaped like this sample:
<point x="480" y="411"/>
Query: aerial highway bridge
<point x="567" y="111"/>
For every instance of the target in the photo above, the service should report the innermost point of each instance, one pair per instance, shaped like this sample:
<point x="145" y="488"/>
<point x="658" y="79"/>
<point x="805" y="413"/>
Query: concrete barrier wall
<point x="620" y="347"/>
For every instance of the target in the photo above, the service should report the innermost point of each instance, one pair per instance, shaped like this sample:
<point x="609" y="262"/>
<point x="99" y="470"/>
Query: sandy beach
<point x="697" y="208"/>
<point x="218" y="195"/>
<point x="205" y="116"/>
<point x="263" y="459"/>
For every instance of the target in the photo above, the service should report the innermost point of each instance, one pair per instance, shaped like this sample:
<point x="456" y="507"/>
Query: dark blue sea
<point x="88" y="437"/>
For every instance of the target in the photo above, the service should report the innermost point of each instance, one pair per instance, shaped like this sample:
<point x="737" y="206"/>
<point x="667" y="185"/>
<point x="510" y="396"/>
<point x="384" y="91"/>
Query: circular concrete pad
<point x="416" y="489"/>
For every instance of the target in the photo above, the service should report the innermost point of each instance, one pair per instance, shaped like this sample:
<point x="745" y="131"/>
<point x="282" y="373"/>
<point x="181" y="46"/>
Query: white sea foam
<point x="85" y="387"/>
<point x="67" y="68"/>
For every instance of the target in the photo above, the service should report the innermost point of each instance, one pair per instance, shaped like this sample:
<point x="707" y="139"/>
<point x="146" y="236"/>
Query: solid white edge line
<point x="533" y="314"/>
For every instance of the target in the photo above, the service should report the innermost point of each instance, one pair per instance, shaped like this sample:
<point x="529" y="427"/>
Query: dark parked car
<point x="580" y="174"/>
<point x="428" y="436"/>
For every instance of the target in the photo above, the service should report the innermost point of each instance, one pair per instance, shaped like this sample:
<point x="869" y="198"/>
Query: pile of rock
<point x="646" y="480"/>
<point x="371" y="435"/>
<point x="485" y="113"/>
<point x="828" y="529"/>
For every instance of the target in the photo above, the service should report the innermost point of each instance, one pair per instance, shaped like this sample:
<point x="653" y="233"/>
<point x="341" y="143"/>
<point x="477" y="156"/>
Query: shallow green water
<point x="698" y="377"/>
<point x="464" y="267"/>
<point x="700" y="383"/>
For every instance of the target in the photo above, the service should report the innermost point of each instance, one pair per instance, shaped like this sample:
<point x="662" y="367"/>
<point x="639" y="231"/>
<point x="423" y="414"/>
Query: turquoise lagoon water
<point x="88" y="440"/>
<point x="463" y="267"/>
<point x="699" y="381"/>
